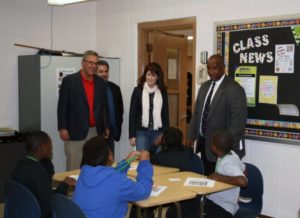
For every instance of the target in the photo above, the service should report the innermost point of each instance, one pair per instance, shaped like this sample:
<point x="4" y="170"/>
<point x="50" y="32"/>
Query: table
<point x="203" y="191"/>
<point x="157" y="170"/>
<point x="176" y="190"/>
<point x="59" y="177"/>
<point x="174" y="193"/>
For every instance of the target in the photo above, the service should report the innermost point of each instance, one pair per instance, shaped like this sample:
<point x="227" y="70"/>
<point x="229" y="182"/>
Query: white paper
<point x="288" y="110"/>
<point x="6" y="131"/>
<point x="174" y="179"/>
<point x="199" y="182"/>
<point x="133" y="166"/>
<point x="74" y="177"/>
<point x="157" y="190"/>
<point x="60" y="74"/>
<point x="284" y="58"/>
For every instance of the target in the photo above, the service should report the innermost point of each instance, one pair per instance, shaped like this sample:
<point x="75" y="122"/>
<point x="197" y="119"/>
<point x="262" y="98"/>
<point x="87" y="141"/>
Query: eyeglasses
<point x="91" y="62"/>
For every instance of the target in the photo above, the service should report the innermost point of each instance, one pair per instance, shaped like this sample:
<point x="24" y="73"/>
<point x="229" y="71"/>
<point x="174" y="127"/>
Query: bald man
<point x="221" y="104"/>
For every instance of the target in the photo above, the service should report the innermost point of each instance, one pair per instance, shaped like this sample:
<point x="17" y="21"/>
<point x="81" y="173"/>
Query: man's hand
<point x="64" y="134"/>
<point x="190" y="143"/>
<point x="106" y="133"/>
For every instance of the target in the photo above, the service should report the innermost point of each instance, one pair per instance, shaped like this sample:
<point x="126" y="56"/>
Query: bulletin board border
<point x="272" y="136"/>
<point x="252" y="24"/>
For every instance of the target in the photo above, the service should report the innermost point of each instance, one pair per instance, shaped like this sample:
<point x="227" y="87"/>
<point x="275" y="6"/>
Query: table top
<point x="218" y="186"/>
<point x="170" y="177"/>
<point x="59" y="177"/>
<point x="173" y="193"/>
<point x="176" y="191"/>
<point x="157" y="170"/>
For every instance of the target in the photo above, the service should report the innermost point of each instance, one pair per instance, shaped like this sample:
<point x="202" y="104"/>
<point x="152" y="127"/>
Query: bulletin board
<point x="264" y="57"/>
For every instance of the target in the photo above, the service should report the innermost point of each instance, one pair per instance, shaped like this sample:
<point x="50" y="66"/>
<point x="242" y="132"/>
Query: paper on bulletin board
<point x="246" y="77"/>
<point x="60" y="74"/>
<point x="268" y="87"/>
<point x="284" y="58"/>
<point x="288" y="110"/>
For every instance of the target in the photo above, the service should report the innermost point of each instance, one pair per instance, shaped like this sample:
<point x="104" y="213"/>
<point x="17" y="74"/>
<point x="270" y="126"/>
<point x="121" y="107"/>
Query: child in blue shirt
<point x="103" y="191"/>
<point x="229" y="169"/>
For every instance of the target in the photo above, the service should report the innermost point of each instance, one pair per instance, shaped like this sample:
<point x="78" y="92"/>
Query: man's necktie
<point x="206" y="109"/>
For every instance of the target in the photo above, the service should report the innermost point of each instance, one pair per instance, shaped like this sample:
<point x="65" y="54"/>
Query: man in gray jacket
<point x="221" y="104"/>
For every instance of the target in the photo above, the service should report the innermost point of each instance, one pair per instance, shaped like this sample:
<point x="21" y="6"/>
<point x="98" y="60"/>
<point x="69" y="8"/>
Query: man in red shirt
<point x="82" y="109"/>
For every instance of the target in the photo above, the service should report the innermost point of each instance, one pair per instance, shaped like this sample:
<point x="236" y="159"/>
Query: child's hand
<point x="213" y="176"/>
<point x="158" y="140"/>
<point x="145" y="155"/>
<point x="133" y="153"/>
<point x="70" y="181"/>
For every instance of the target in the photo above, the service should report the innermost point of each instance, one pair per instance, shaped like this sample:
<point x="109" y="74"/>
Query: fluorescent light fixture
<point x="64" y="2"/>
<point x="190" y="37"/>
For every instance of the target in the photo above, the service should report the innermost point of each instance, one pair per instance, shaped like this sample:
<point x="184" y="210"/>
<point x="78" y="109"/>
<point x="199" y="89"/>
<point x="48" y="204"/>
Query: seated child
<point x="174" y="154"/>
<point x="229" y="169"/>
<point x="103" y="191"/>
<point x="35" y="171"/>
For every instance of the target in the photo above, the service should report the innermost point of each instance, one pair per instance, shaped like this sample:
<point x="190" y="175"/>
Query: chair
<point x="196" y="164"/>
<point x="65" y="207"/>
<point x="20" y="202"/>
<point x="254" y="191"/>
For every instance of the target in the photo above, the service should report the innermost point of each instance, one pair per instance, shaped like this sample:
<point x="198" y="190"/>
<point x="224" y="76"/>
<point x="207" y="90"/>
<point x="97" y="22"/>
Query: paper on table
<point x="199" y="182"/>
<point x="133" y="166"/>
<point x="74" y="177"/>
<point x="157" y="190"/>
<point x="174" y="179"/>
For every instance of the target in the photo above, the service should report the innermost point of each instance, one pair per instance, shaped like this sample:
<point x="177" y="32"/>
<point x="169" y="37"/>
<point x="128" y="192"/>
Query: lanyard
<point x="32" y="158"/>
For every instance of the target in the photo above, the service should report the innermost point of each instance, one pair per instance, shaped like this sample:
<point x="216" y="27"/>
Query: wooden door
<point x="170" y="51"/>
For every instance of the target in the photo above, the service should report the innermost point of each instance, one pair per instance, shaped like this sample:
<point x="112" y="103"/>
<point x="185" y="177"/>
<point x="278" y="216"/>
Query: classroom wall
<point x="29" y="22"/>
<point x="116" y="35"/>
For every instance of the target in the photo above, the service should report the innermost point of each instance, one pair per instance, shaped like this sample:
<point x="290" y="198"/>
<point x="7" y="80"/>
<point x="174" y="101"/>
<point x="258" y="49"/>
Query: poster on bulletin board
<point x="264" y="58"/>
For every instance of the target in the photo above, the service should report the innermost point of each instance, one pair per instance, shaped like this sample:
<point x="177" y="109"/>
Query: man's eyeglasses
<point x="91" y="62"/>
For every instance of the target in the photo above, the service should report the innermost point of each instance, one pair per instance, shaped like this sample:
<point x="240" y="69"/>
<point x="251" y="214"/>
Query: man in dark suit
<point x="115" y="104"/>
<point x="82" y="108"/>
<point x="227" y="109"/>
